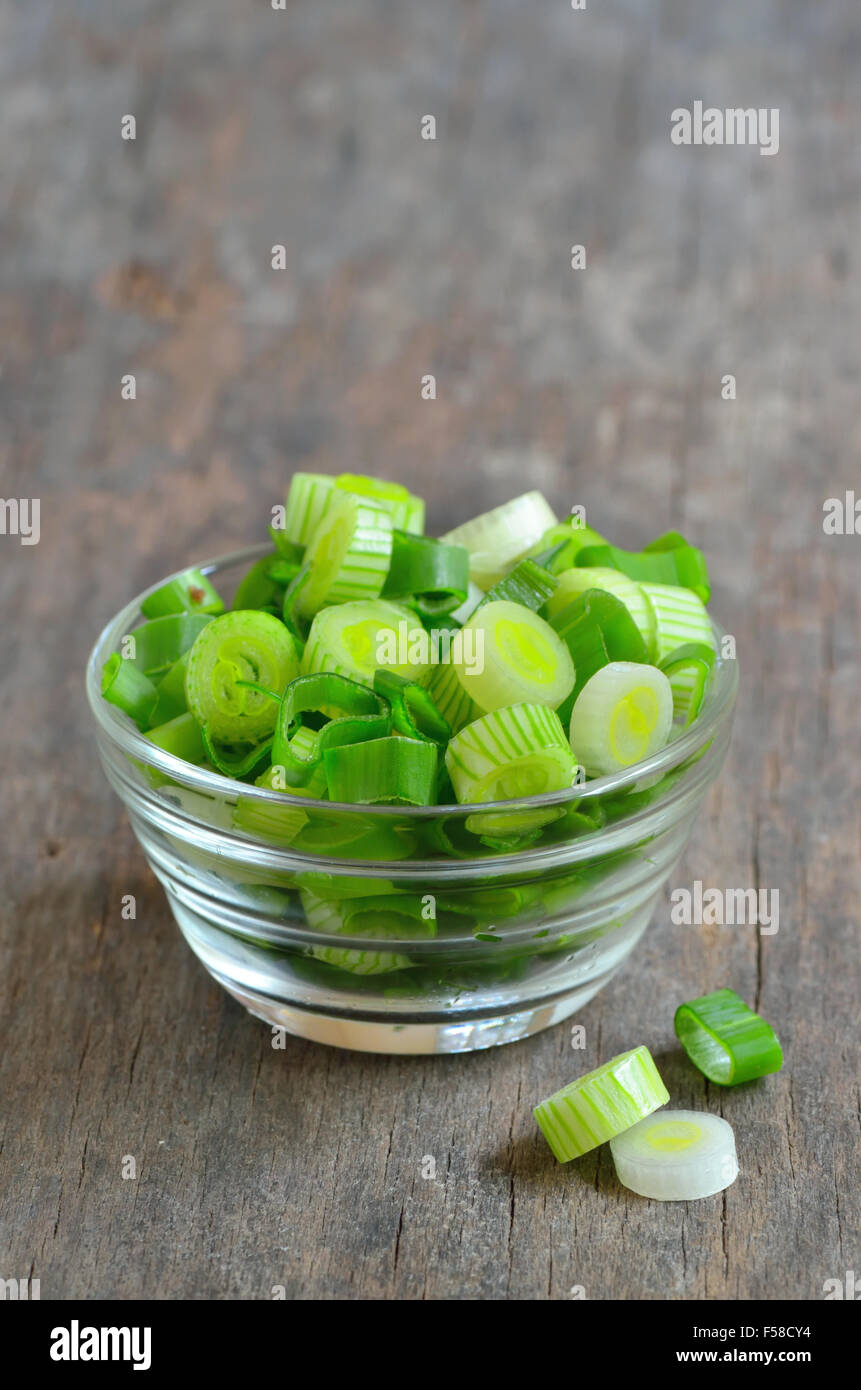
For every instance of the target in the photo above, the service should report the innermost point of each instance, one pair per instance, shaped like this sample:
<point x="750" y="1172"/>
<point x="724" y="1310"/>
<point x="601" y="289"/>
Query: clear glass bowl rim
<point x="717" y="708"/>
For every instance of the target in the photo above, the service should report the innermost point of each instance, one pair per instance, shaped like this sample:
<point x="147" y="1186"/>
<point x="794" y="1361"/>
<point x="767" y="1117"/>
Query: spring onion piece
<point x="190" y="592"/>
<point x="518" y="658"/>
<point x="156" y="646"/>
<point x="354" y="713"/>
<point x="601" y="1104"/>
<point x="450" y="698"/>
<point x="280" y="824"/>
<point x="496" y="540"/>
<point x="235" y="760"/>
<point x="406" y="511"/>
<point x="527" y="584"/>
<point x="680" y="618"/>
<point x="181" y="737"/>
<point x="236" y="648"/>
<point x="558" y="548"/>
<point x="129" y="689"/>
<point x="170" y="693"/>
<point x="348" y="555"/>
<point x="574" y="582"/>
<point x="688" y="669"/>
<point x="264" y="584"/>
<point x="394" y="771"/>
<point x="312" y="494"/>
<point x="677" y="1156"/>
<point x="433" y="575"/>
<point x="597" y="629"/>
<point x="307" y="503"/>
<point x="667" y="560"/>
<point x="623" y="714"/>
<point x="510" y="753"/>
<point x="726" y="1040"/>
<point x="305" y="751"/>
<point x="355" y="639"/>
<point x="414" y="713"/>
<point x="326" y="917"/>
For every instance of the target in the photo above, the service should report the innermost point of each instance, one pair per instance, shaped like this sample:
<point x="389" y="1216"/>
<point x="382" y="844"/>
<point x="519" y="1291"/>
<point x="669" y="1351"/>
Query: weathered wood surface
<point x="602" y="386"/>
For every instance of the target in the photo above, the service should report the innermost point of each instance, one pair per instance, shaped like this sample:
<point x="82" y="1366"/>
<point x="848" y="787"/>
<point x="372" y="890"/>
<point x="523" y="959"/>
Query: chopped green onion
<point x="623" y="714"/>
<point x="181" y="737"/>
<point x="688" y="669"/>
<point x="235" y="760"/>
<point x="414" y="713"/>
<point x="433" y="575"/>
<point x="159" y="644"/>
<point x="574" y="582"/>
<point x="348" y="555"/>
<point x="327" y="917"/>
<point x="601" y="1104"/>
<point x="677" y="1156"/>
<point x="527" y="584"/>
<point x="304" y="753"/>
<point x="450" y="698"/>
<point x="510" y="753"/>
<point x="394" y="771"/>
<point x="668" y="560"/>
<point x="597" y="629"/>
<point x="558" y="548"/>
<point x="517" y="658"/>
<point x="407" y="512"/>
<point x="496" y="540"/>
<point x="726" y="1040"/>
<point x="356" y="639"/>
<point x="354" y="713"/>
<point x="129" y="689"/>
<point x="281" y="824"/>
<point x="234" y="649"/>
<point x="680" y="617"/>
<point x="190" y="592"/>
<point x="307" y="503"/>
<point x="264" y="584"/>
<point x="170" y="693"/>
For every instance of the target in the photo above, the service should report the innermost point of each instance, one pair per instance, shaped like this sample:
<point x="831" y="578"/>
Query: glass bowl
<point x="392" y="929"/>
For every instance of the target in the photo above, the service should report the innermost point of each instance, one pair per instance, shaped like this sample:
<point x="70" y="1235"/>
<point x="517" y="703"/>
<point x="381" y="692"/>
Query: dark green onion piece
<point x="235" y="759"/>
<point x="190" y="592"/>
<point x="264" y="584"/>
<point x="129" y="689"/>
<point x="597" y="629"/>
<point x="528" y="584"/>
<point x="667" y="560"/>
<point x="392" y="771"/>
<point x="558" y="548"/>
<point x="688" y="670"/>
<point x="360" y="714"/>
<point x="171" y="699"/>
<point x="414" y="713"/>
<point x="159" y="644"/>
<point x="287" y="549"/>
<point x="726" y="1040"/>
<point x="432" y="574"/>
<point x="299" y="626"/>
<point x="180" y="736"/>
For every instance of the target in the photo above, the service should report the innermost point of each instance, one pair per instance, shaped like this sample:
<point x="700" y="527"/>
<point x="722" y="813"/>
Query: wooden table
<point x="602" y="386"/>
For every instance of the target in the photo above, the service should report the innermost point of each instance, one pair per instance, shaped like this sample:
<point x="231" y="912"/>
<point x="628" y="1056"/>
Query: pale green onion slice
<point x="327" y="917"/>
<point x="355" y="639"/>
<point x="574" y="582"/>
<point x="510" y="656"/>
<point x="348" y="555"/>
<point x="602" y="1104"/>
<point x="450" y="698"/>
<point x="677" y="1156"/>
<point x="467" y="608"/>
<point x="497" y="539"/>
<point x="303" y="745"/>
<point x="406" y="511"/>
<point x="509" y="754"/>
<point x="307" y="503"/>
<point x="623" y="714"/>
<point x="680" y="617"/>
<point x="688" y="669"/>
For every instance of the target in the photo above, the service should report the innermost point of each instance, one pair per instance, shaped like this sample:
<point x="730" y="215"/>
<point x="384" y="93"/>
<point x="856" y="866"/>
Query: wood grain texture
<point x="404" y="257"/>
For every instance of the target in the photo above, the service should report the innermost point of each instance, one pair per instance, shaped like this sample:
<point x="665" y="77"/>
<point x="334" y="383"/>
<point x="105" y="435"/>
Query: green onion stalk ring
<point x="391" y="771"/>
<point x="668" y="560"/>
<point x="433" y="576"/>
<point x="597" y="629"/>
<point x="229" y="653"/>
<point x="603" y="1103"/>
<point x="726" y="1040"/>
<point x="190" y="592"/>
<point x="354" y="712"/>
<point x="688" y="669"/>
<point x="414" y="713"/>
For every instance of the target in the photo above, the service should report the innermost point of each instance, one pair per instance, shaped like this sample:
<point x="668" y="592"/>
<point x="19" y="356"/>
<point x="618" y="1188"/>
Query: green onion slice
<point x="597" y="629"/>
<point x="170" y="692"/>
<point x="348" y="555"/>
<point x="558" y="548"/>
<point x="601" y="1104"/>
<point x="623" y="714"/>
<point x="264" y="584"/>
<point x="356" y="639"/>
<point x="181" y="737"/>
<point x="726" y="1040"/>
<point x="354" y="714"/>
<point x="680" y="618"/>
<point x="574" y="582"/>
<point x="668" y="560"/>
<point x="310" y="781"/>
<point x="433" y="575"/>
<point x="307" y="503"/>
<point x="511" y="656"/>
<point x="159" y="644"/>
<point x="391" y="771"/>
<point x="688" y="669"/>
<point x="508" y="754"/>
<point x="383" y="921"/>
<point x="450" y="698"/>
<point x="677" y="1156"/>
<point x="414" y="713"/>
<point x="407" y="512"/>
<point x="527" y="584"/>
<point x="496" y="540"/>
<point x="235" y="760"/>
<point x="190" y="592"/>
<point x="129" y="689"/>
<point x="229" y="652"/>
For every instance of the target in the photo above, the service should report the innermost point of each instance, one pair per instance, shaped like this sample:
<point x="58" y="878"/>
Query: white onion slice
<point x="676" y="1156"/>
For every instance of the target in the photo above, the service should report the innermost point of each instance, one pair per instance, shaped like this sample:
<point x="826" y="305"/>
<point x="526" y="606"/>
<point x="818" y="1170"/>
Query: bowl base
<point x="359" y="1035"/>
